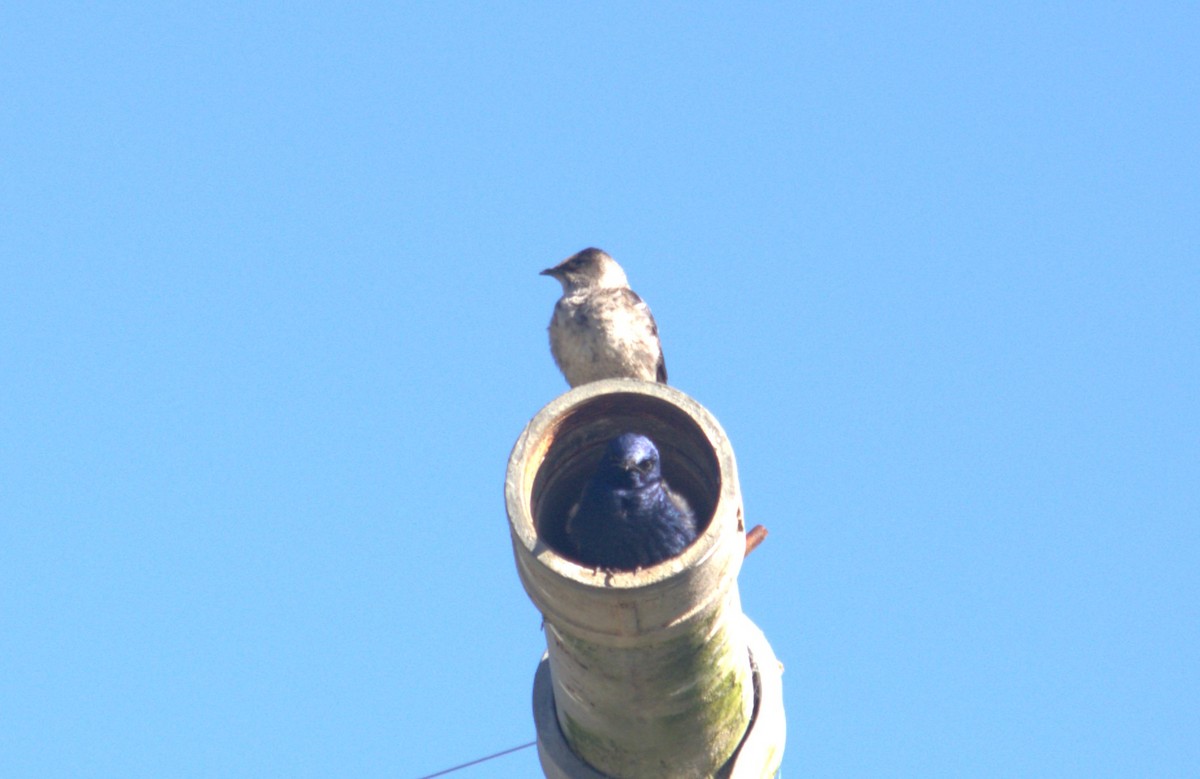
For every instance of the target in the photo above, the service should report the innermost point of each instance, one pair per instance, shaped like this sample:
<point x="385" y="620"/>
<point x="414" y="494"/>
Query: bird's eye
<point x="645" y="464"/>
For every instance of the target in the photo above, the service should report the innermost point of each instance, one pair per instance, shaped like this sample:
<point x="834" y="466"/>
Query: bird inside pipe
<point x="583" y="450"/>
<point x="628" y="517"/>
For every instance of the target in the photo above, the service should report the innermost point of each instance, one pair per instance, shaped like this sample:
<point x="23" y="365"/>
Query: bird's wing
<point x="685" y="508"/>
<point x="635" y="300"/>
<point x="569" y="525"/>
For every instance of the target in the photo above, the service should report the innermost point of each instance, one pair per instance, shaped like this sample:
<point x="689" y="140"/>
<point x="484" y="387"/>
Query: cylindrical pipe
<point x="758" y="756"/>
<point x="650" y="669"/>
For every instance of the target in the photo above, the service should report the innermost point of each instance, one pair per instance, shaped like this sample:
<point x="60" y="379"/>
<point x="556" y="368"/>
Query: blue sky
<point x="270" y="323"/>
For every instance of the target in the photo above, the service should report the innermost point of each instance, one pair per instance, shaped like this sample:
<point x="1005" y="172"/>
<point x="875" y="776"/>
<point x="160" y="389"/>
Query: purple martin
<point x="628" y="517"/>
<point x="601" y="329"/>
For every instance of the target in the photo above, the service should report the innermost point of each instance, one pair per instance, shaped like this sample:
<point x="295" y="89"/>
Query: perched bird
<point x="601" y="329"/>
<point x="628" y="517"/>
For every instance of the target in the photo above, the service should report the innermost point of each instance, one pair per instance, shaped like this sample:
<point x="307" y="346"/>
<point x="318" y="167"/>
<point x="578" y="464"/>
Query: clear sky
<point x="270" y="323"/>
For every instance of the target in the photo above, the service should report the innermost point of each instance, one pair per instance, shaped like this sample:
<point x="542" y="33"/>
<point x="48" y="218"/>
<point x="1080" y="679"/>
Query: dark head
<point x="588" y="269"/>
<point x="630" y="461"/>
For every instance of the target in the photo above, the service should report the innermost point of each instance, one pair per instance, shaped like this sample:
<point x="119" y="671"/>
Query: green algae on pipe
<point x="757" y="757"/>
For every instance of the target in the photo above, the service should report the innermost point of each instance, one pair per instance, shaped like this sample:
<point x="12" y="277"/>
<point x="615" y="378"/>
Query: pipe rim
<point x="535" y="443"/>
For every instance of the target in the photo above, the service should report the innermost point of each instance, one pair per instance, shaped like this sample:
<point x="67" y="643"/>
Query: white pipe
<point x="650" y="670"/>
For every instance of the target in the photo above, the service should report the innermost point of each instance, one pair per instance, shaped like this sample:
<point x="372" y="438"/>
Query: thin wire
<point x="480" y="760"/>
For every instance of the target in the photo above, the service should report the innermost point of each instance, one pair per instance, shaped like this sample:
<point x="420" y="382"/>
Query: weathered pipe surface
<point x="650" y="669"/>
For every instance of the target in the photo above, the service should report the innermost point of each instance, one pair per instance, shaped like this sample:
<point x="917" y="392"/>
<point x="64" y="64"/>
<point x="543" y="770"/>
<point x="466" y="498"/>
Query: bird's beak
<point x="551" y="272"/>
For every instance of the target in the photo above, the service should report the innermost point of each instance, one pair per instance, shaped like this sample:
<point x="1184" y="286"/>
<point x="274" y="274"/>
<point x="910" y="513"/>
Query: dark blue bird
<point x="628" y="517"/>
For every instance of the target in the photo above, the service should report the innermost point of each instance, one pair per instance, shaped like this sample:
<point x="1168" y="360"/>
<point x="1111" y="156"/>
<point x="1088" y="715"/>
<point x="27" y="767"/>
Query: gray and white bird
<point x="601" y="329"/>
<point x="627" y="516"/>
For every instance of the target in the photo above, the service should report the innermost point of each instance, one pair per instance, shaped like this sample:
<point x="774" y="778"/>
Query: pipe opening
<point x="574" y="445"/>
